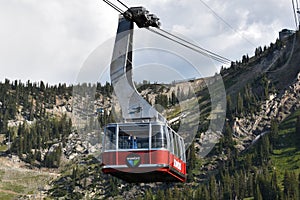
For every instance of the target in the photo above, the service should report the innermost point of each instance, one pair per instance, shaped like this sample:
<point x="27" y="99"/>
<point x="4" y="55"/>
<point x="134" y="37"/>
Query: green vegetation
<point x="84" y="175"/>
<point x="6" y="196"/>
<point x="268" y="170"/>
<point x="13" y="187"/>
<point x="286" y="153"/>
<point x="19" y="181"/>
<point x="3" y="148"/>
<point x="40" y="135"/>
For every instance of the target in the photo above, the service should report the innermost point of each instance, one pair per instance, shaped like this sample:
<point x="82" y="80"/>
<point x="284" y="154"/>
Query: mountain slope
<point x="257" y="147"/>
<point x="260" y="91"/>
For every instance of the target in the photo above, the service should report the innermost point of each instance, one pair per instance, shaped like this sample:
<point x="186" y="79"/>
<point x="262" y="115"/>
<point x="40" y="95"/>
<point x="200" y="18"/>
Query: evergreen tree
<point x="298" y="128"/>
<point x="258" y="195"/>
<point x="290" y="185"/>
<point x="240" y="104"/>
<point x="226" y="179"/>
<point x="204" y="195"/>
<point x="228" y="140"/>
<point x="213" y="188"/>
<point x="160" y="194"/>
<point x="191" y="161"/>
<point x="169" y="194"/>
<point x="174" y="99"/>
<point x="113" y="187"/>
<point x="229" y="108"/>
<point x="274" y="132"/>
<point x="148" y="195"/>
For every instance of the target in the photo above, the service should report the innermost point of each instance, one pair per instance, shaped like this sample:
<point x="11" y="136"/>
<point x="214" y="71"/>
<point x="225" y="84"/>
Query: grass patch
<point x="19" y="182"/>
<point x="6" y="196"/>
<point x="175" y="111"/>
<point x="249" y="198"/>
<point x="3" y="148"/>
<point x="1" y="174"/>
<point x="286" y="155"/>
<point x="13" y="187"/>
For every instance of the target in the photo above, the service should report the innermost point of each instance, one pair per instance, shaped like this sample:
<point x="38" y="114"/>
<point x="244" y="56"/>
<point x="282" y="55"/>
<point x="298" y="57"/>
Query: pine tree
<point x="113" y="187"/>
<point x="191" y="161"/>
<point x="236" y="186"/>
<point x="240" y="104"/>
<point x="290" y="185"/>
<point x="169" y="194"/>
<point x="204" y="193"/>
<point x="298" y="128"/>
<point x="160" y="194"/>
<point x="228" y="141"/>
<point x="174" y="99"/>
<point x="274" y="186"/>
<point x="274" y="132"/>
<point x="148" y="195"/>
<point x="177" y="193"/>
<point x="229" y="109"/>
<point x="213" y="188"/>
<point x="226" y="179"/>
<point x="299" y="184"/>
<point x="258" y="195"/>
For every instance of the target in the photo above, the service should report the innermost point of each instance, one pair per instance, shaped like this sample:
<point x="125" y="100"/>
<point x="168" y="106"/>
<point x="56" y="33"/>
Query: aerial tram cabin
<point x="144" y="152"/>
<point x="143" y="148"/>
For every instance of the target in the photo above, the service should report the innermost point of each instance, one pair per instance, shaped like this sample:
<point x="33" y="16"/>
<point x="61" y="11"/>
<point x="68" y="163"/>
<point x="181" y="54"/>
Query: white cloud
<point x="50" y="39"/>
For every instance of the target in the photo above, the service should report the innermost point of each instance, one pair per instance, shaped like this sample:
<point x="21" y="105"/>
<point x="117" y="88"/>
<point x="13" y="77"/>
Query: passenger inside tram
<point x="133" y="138"/>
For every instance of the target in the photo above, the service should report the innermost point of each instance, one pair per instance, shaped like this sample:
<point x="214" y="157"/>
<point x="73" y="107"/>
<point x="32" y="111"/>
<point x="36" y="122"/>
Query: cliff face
<point x="276" y="107"/>
<point x="273" y="79"/>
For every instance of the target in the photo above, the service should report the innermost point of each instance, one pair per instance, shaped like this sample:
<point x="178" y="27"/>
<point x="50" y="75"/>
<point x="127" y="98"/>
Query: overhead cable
<point x="225" y="22"/>
<point x="195" y="48"/>
<point x="177" y="39"/>
<point x="114" y="6"/>
<point x="123" y="4"/>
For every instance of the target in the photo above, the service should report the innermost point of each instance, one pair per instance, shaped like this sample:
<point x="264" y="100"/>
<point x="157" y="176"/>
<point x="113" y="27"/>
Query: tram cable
<point x="177" y="39"/>
<point x="193" y="47"/>
<point x="114" y="6"/>
<point x="225" y="22"/>
<point x="123" y="4"/>
<point x="207" y="52"/>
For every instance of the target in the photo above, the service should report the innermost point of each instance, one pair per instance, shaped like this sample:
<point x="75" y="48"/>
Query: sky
<point x="50" y="40"/>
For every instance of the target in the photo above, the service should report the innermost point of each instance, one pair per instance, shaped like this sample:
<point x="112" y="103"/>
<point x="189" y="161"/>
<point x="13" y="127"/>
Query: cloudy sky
<point x="50" y="40"/>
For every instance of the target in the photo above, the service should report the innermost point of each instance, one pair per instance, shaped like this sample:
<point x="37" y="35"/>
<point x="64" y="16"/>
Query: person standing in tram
<point x="132" y="141"/>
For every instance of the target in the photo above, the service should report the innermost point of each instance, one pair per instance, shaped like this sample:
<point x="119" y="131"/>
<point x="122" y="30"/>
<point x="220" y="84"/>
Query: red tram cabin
<point x="144" y="152"/>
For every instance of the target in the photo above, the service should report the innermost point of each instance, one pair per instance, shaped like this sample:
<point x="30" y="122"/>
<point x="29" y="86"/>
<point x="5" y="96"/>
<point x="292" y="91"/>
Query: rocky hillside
<point x="260" y="91"/>
<point x="277" y="107"/>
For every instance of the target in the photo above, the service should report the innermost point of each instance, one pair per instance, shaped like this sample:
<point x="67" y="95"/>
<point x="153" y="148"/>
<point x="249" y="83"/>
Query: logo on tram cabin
<point x="133" y="160"/>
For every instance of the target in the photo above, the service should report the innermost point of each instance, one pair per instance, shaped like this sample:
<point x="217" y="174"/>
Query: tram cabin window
<point x="143" y="142"/>
<point x="177" y="145"/>
<point x="133" y="137"/>
<point x="110" y="138"/>
<point x="125" y="141"/>
<point x="183" y="150"/>
<point x="169" y="131"/>
<point x="158" y="138"/>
